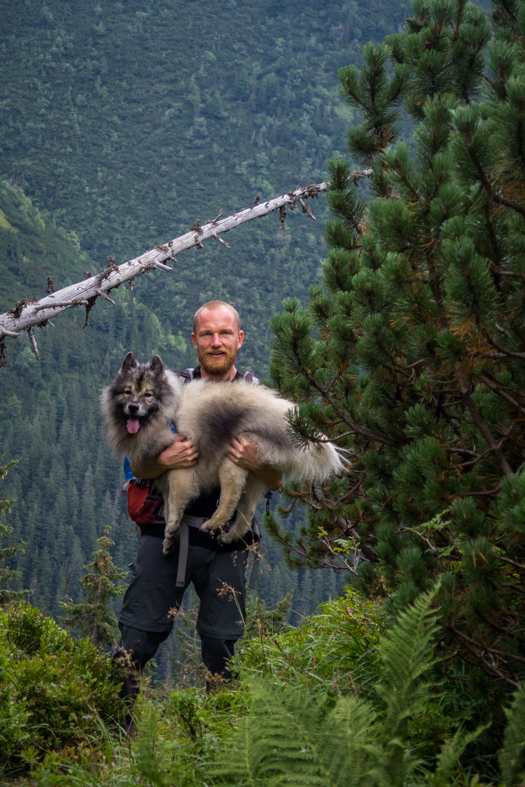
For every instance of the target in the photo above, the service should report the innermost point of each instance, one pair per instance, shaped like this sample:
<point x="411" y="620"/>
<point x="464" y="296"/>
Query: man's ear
<point x="156" y="366"/>
<point x="128" y="363"/>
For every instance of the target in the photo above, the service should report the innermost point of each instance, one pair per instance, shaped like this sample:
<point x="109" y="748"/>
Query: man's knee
<point x="137" y="646"/>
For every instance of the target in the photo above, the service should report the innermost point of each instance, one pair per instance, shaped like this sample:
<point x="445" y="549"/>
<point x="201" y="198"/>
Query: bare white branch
<point x="27" y="314"/>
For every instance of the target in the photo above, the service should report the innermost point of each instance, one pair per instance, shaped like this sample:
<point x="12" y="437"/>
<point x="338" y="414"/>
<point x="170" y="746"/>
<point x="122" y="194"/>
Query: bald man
<point x="217" y="572"/>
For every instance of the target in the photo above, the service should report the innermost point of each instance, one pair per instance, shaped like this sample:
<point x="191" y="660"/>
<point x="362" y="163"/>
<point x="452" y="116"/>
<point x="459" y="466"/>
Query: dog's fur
<point x="211" y="415"/>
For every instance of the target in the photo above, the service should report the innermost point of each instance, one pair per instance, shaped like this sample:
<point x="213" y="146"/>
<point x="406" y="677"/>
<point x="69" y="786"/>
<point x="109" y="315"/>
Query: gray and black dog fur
<point x="211" y="415"/>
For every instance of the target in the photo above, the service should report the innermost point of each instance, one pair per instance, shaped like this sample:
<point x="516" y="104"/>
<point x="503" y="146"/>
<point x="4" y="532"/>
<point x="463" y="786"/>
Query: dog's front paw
<point x="170" y="543"/>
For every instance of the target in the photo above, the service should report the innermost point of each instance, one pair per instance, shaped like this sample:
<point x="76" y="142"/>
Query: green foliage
<point x="55" y="691"/>
<point x="293" y="737"/>
<point x="512" y="756"/>
<point x="334" y="651"/>
<point x="93" y="617"/>
<point x="411" y="355"/>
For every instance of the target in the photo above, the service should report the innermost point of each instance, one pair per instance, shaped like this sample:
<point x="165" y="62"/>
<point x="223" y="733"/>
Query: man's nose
<point x="216" y="341"/>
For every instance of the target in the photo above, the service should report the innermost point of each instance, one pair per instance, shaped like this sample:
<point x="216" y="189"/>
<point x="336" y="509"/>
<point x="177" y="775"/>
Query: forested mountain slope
<point x="123" y="122"/>
<point x="130" y="119"/>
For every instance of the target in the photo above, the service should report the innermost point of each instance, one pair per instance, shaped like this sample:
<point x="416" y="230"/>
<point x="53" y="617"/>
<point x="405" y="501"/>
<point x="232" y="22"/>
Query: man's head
<point x="217" y="336"/>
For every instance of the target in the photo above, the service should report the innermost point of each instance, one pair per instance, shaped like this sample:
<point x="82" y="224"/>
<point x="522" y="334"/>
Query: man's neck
<point x="225" y="377"/>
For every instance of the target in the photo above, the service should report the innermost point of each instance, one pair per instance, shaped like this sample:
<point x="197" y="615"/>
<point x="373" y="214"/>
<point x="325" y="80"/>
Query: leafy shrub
<point x="335" y="650"/>
<point x="294" y="736"/>
<point x="54" y="690"/>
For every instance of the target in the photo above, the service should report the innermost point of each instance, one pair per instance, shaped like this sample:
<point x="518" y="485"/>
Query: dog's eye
<point x="148" y="395"/>
<point x="127" y="391"/>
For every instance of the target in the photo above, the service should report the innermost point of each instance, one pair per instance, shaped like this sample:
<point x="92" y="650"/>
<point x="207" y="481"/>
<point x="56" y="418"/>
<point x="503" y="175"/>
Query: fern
<point x="290" y="737"/>
<point x="279" y="743"/>
<point x="512" y="756"/>
<point x="407" y="653"/>
<point x="148" y="760"/>
<point x="449" y="756"/>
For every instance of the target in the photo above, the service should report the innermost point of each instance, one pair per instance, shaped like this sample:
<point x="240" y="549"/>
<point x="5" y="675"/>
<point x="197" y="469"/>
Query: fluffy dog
<point x="142" y="400"/>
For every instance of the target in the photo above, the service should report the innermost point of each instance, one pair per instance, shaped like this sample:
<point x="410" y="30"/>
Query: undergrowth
<point x="347" y="699"/>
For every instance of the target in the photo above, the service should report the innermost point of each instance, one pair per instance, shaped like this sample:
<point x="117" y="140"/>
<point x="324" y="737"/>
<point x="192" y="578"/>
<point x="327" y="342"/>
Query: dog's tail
<point x="317" y="461"/>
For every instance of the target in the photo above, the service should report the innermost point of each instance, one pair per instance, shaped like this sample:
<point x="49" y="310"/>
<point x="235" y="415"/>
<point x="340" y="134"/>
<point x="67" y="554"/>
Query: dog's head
<point x="139" y="391"/>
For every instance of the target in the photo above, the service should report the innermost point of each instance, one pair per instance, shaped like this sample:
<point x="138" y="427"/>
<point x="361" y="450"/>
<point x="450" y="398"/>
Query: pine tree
<point x="411" y="355"/>
<point x="8" y="574"/>
<point x="93" y="617"/>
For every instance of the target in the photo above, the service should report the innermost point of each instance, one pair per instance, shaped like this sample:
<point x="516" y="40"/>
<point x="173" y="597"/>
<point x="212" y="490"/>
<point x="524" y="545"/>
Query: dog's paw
<point x="170" y="544"/>
<point x="227" y="537"/>
<point x="210" y="526"/>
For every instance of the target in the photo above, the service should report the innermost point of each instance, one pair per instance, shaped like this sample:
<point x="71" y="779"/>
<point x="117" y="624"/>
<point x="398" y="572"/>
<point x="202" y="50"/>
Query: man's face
<point x="217" y="338"/>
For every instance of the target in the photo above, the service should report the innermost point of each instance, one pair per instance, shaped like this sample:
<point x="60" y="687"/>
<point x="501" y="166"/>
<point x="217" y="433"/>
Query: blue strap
<point x="127" y="469"/>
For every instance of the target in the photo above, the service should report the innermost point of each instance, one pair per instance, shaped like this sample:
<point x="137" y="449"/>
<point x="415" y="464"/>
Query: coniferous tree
<point x="93" y="617"/>
<point x="412" y="353"/>
<point x="8" y="574"/>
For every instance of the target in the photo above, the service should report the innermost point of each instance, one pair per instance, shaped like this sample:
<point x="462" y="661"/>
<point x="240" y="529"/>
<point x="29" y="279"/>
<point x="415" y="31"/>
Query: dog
<point x="143" y="399"/>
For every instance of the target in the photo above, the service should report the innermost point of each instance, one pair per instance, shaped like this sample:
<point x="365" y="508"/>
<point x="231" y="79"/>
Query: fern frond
<point x="280" y="743"/>
<point x="407" y="653"/>
<point x="512" y="755"/>
<point x="349" y="734"/>
<point x="148" y="760"/>
<point x="449" y="755"/>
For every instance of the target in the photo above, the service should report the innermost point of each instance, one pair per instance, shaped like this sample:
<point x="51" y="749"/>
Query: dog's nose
<point x="133" y="409"/>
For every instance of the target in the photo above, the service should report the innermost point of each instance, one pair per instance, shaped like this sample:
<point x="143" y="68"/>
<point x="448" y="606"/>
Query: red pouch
<point x="142" y="505"/>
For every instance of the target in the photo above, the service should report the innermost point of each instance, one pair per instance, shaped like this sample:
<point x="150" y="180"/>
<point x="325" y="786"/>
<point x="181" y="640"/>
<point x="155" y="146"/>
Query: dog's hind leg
<point x="253" y="494"/>
<point x="181" y="490"/>
<point x="232" y="479"/>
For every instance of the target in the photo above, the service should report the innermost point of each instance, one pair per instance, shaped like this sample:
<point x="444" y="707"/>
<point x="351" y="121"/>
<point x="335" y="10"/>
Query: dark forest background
<point x="120" y="123"/>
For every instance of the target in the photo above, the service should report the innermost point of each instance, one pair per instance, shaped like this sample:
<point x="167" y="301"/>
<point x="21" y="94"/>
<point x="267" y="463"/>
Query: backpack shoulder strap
<point x="186" y="375"/>
<point x="251" y="378"/>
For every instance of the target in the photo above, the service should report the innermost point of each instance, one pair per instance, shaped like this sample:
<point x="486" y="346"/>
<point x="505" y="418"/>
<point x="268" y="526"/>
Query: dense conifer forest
<point x="395" y="321"/>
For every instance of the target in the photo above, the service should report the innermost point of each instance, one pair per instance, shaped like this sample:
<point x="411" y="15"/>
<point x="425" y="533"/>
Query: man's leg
<point x="219" y="579"/>
<point x="132" y="652"/>
<point x="149" y="607"/>
<point x="216" y="653"/>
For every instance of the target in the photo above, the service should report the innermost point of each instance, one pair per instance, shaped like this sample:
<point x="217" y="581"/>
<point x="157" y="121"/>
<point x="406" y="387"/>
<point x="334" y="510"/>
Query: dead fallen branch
<point x="28" y="313"/>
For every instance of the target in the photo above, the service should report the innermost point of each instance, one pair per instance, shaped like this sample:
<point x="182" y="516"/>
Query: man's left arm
<point x="243" y="452"/>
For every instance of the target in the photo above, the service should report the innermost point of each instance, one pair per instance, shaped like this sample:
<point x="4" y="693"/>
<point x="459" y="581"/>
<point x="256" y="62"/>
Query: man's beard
<point x="219" y="365"/>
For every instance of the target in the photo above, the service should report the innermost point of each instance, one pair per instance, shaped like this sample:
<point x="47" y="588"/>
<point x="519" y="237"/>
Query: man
<point x="217" y="572"/>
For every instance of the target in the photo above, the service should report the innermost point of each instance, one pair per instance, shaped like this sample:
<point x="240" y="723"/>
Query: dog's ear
<point x="128" y="363"/>
<point x="156" y="366"/>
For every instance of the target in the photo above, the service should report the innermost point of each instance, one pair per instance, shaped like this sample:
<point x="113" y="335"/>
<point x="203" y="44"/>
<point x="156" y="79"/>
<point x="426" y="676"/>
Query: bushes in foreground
<point x="348" y="698"/>
<point x="55" y="691"/>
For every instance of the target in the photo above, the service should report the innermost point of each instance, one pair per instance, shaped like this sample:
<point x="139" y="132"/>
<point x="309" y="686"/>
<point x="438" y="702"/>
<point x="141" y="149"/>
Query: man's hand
<point x="179" y="455"/>
<point x="243" y="452"/>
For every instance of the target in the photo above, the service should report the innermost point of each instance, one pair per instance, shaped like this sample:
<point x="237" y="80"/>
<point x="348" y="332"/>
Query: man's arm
<point x="180" y="454"/>
<point x="243" y="452"/>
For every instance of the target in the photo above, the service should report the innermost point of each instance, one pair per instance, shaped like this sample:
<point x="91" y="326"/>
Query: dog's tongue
<point x="133" y="425"/>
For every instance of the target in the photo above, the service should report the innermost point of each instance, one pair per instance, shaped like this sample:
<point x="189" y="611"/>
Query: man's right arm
<point x="180" y="454"/>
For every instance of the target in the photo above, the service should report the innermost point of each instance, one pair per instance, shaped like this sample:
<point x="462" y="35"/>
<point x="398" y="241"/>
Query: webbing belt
<point x="184" y="545"/>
